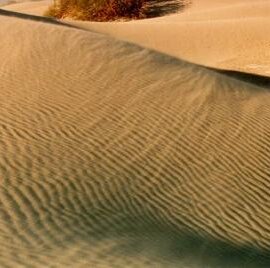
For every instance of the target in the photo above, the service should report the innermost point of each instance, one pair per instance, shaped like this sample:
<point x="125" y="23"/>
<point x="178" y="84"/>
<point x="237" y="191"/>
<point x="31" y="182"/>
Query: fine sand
<point x="227" y="34"/>
<point x="114" y="155"/>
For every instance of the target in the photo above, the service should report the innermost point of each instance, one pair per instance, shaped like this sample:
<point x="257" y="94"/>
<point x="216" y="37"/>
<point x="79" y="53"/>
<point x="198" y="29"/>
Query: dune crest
<point x="225" y="34"/>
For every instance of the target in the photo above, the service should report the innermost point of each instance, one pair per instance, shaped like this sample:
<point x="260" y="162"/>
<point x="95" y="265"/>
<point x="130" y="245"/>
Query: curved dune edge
<point x="225" y="34"/>
<point x="117" y="156"/>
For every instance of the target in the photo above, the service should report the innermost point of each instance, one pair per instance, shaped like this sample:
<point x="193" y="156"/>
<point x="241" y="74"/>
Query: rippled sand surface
<point x="114" y="155"/>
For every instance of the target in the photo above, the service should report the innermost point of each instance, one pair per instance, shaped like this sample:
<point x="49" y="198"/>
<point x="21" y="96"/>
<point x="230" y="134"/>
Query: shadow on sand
<point x="259" y="80"/>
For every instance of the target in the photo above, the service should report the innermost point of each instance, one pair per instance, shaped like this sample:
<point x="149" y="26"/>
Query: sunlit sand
<point x="136" y="144"/>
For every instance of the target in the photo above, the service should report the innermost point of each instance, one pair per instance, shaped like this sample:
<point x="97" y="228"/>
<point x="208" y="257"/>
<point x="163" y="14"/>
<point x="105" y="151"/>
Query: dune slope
<point x="229" y="34"/>
<point x="113" y="155"/>
<point x="226" y="34"/>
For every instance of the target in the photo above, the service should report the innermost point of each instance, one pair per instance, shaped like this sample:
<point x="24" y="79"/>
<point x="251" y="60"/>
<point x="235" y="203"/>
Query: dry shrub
<point x="97" y="10"/>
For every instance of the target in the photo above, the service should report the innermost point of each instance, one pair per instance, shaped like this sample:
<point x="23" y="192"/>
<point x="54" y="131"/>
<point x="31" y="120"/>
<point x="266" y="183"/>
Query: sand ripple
<point x="112" y="155"/>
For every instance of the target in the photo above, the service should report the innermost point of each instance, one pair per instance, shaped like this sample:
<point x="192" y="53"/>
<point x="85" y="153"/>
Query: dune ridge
<point x="114" y="155"/>
<point x="15" y="14"/>
<point x="225" y="34"/>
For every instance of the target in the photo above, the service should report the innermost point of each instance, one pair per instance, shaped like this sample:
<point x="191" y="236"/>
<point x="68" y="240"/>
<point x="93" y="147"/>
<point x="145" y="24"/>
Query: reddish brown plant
<point x="97" y="10"/>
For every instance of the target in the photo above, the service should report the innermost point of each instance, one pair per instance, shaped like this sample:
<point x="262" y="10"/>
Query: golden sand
<point x="114" y="155"/>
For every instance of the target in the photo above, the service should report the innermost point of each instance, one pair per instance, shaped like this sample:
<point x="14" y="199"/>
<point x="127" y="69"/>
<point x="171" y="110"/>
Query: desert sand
<point x="122" y="146"/>
<point x="226" y="34"/>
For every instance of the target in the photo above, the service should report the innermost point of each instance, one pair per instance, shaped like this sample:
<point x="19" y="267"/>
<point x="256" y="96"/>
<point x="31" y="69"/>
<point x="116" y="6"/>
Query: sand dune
<point x="227" y="34"/>
<point x="224" y="34"/>
<point x="115" y="155"/>
<point x="12" y="2"/>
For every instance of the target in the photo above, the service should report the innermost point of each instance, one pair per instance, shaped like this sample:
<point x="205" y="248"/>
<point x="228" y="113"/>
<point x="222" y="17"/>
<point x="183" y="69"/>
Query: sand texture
<point x="113" y="155"/>
<point x="226" y="34"/>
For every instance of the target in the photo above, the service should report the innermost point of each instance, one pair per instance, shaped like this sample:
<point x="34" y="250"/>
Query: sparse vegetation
<point x="97" y="10"/>
<point x="107" y="10"/>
